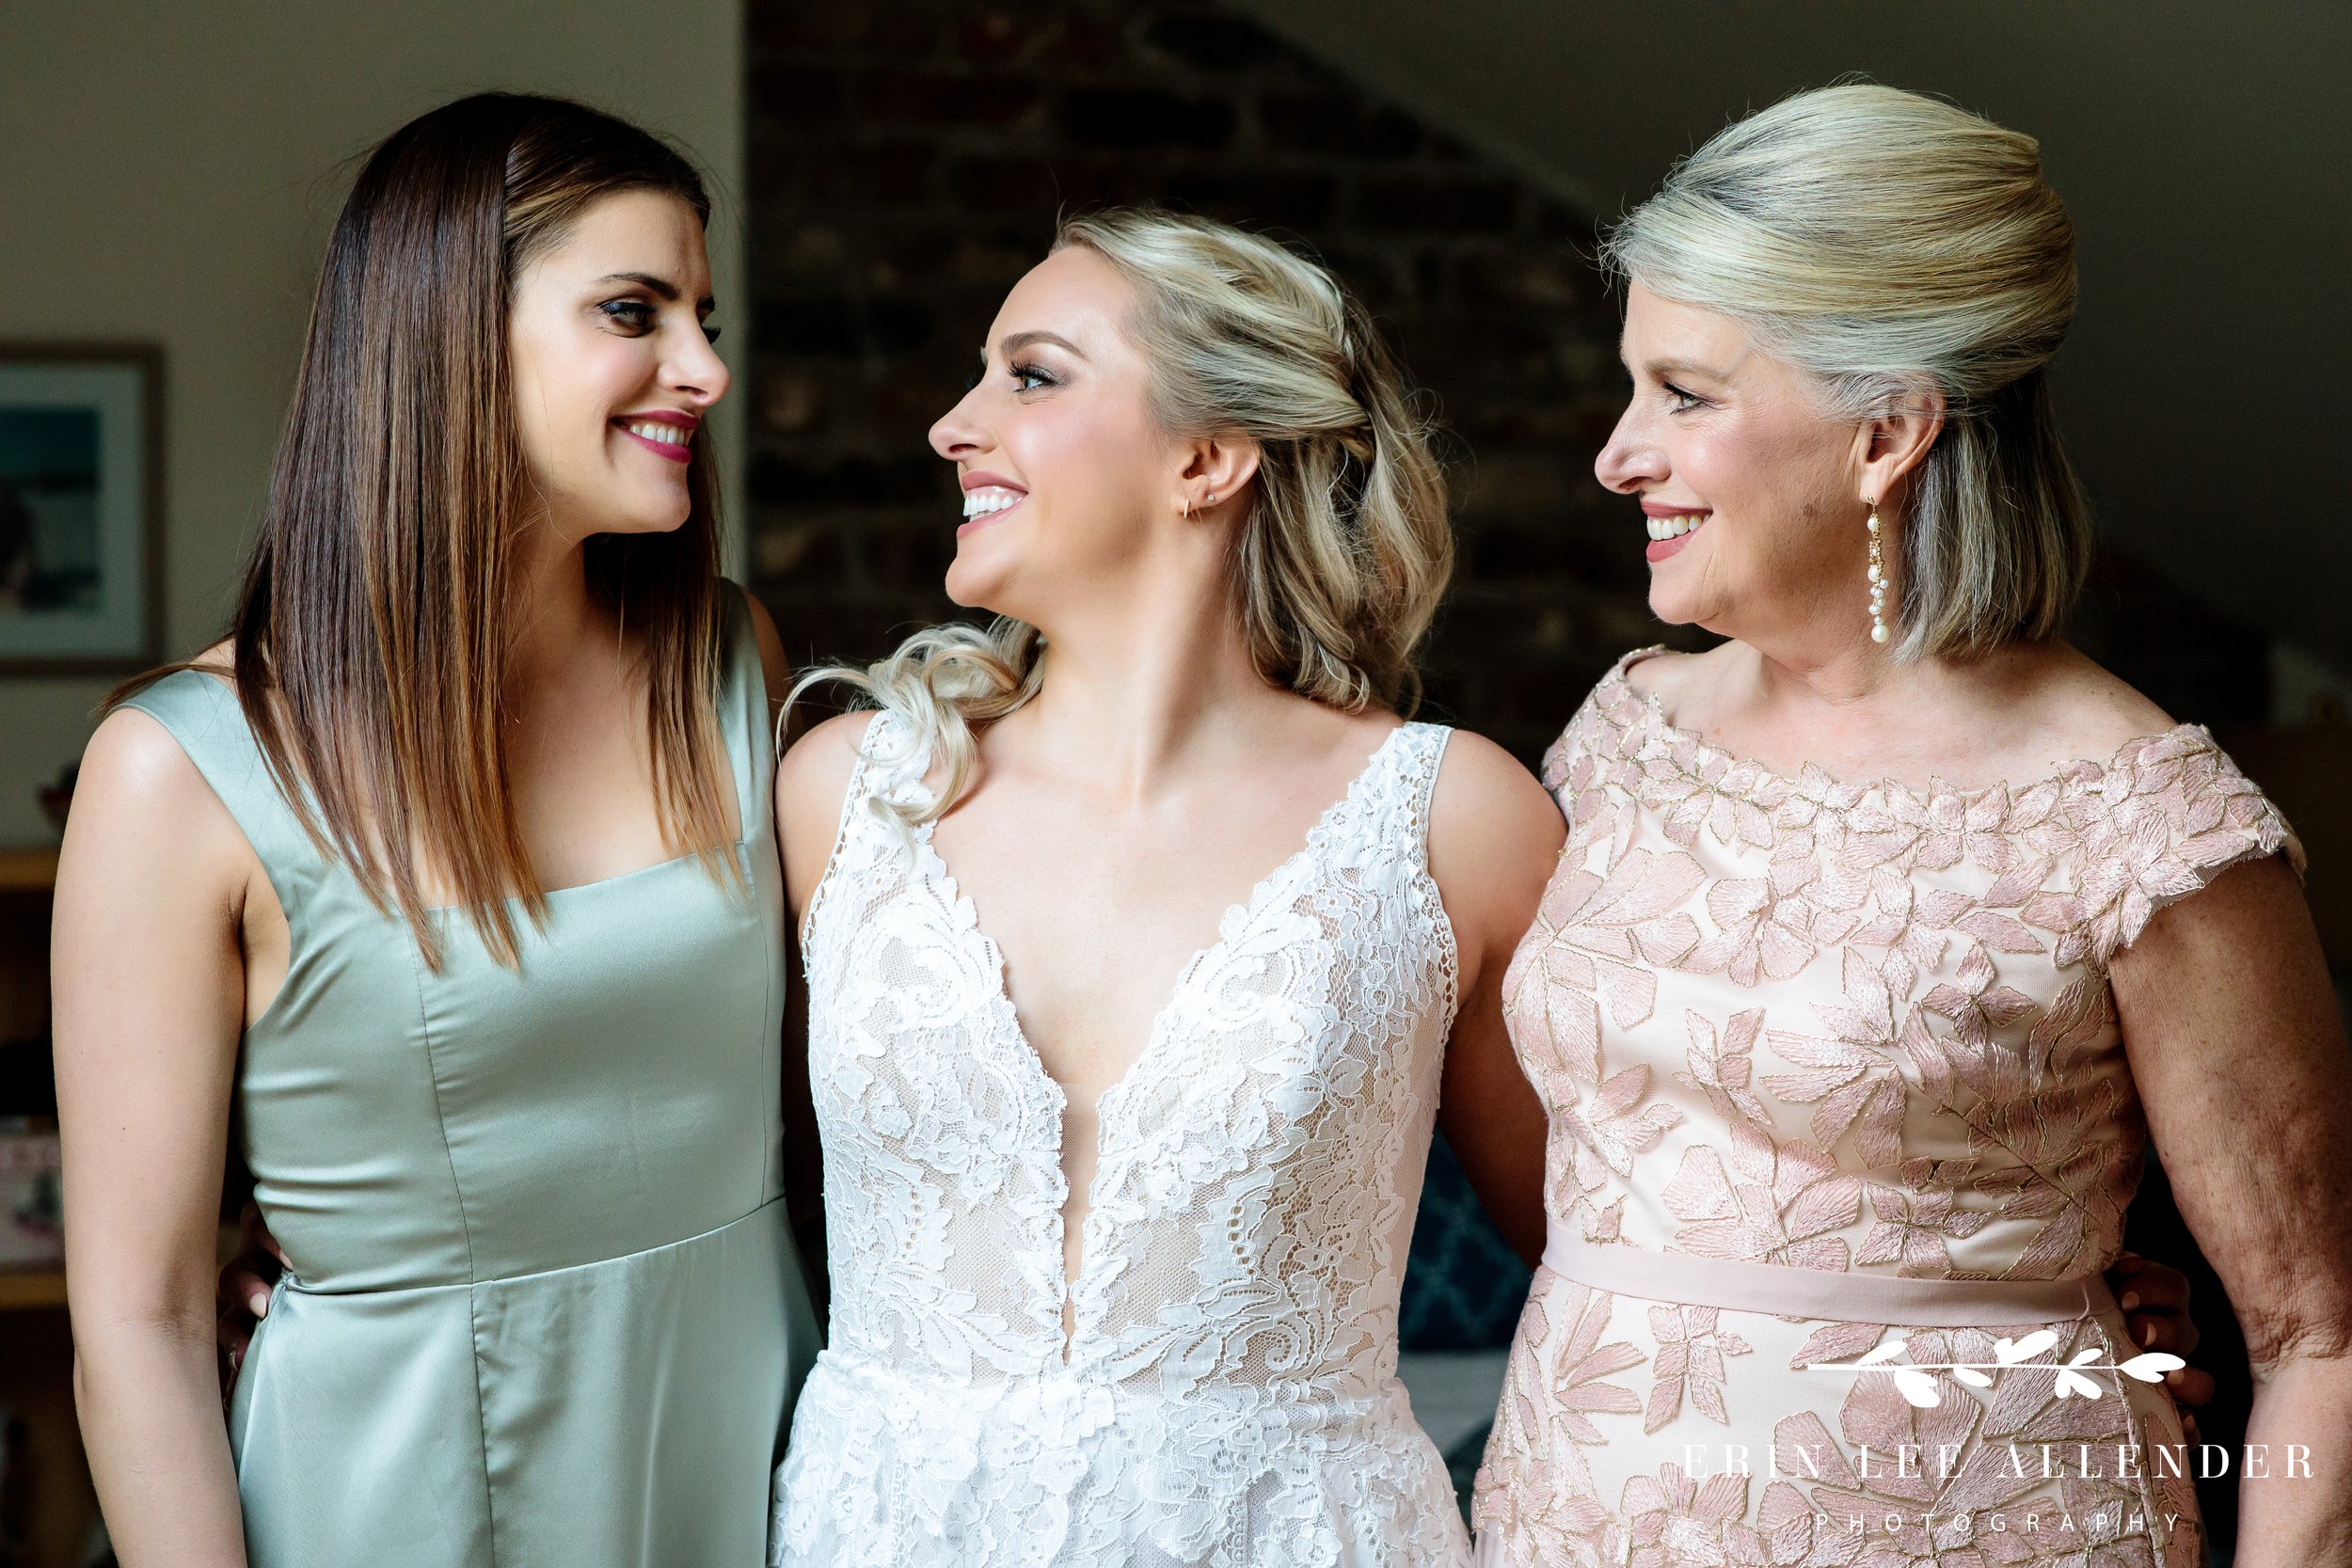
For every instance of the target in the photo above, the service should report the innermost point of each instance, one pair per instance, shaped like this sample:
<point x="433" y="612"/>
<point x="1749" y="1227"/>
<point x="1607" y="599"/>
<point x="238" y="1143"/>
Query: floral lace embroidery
<point x="1842" y="1027"/>
<point x="1228" y="1395"/>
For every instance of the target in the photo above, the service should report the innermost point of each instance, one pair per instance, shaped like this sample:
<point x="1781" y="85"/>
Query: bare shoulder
<point x="133" y="761"/>
<point x="812" y="782"/>
<point x="1494" y="831"/>
<point x="773" y="663"/>
<point x="2083" y="711"/>
<point x="815" y="772"/>
<point x="143" y="811"/>
<point x="1479" y="781"/>
<point x="1670" y="678"/>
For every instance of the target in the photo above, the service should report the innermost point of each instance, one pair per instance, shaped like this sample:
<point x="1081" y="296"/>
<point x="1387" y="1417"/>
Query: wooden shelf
<point x="25" y="1288"/>
<point x="27" y="870"/>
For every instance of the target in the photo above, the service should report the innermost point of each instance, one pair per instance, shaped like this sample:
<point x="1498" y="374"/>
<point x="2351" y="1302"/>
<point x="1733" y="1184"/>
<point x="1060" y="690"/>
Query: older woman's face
<point x="1757" y="488"/>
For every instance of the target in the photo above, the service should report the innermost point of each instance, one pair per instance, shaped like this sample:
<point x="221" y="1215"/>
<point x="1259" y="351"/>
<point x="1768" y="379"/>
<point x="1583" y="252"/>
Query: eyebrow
<point x="660" y="287"/>
<point x="1663" y="368"/>
<point x="1019" y="340"/>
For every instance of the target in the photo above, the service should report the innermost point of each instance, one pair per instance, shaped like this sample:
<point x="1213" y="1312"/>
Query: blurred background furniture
<point x="46" y="1506"/>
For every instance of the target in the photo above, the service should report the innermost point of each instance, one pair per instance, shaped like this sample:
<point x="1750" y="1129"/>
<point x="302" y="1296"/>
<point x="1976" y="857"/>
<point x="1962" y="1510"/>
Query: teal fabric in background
<point x="544" y="1307"/>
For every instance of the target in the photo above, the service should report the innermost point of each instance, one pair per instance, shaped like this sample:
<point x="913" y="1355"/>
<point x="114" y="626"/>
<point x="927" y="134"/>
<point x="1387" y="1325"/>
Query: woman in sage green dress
<point x="454" y="869"/>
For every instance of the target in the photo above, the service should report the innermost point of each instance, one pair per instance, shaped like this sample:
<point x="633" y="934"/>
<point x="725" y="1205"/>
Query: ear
<point x="1892" y="445"/>
<point x="1214" y="469"/>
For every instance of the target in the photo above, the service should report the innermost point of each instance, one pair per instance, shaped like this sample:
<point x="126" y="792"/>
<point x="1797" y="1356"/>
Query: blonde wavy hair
<point x="1345" y="548"/>
<point x="1889" y="244"/>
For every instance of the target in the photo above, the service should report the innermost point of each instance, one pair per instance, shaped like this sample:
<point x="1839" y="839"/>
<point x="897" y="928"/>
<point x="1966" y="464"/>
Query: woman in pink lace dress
<point x="1872" y="961"/>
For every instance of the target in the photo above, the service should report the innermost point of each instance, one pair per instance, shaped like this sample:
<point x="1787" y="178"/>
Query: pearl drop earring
<point x="1878" y="580"/>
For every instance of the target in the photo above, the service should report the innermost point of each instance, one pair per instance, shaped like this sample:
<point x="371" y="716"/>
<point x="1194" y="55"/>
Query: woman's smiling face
<point x="1062" y="465"/>
<point x="612" y="367"/>
<point x="1757" y="489"/>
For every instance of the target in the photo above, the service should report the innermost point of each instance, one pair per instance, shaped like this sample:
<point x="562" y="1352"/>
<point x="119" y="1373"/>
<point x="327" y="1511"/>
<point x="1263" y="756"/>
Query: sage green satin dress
<point x="543" y="1307"/>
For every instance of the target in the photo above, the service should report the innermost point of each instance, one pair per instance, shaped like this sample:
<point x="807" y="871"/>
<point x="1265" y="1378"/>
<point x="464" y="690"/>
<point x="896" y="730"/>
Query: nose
<point x="693" y="369"/>
<point x="1630" y="459"/>
<point x="959" y="434"/>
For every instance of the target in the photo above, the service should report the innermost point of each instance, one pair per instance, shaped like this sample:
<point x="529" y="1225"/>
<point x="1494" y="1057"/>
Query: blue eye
<point x="1028" y="379"/>
<point x="1683" y="402"/>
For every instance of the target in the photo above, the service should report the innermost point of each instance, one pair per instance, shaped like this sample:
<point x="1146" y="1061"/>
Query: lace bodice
<point x="1226" y="1393"/>
<point x="1847" y="1026"/>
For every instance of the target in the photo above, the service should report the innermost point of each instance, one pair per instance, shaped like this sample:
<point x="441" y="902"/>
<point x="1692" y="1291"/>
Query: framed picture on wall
<point x="81" y="453"/>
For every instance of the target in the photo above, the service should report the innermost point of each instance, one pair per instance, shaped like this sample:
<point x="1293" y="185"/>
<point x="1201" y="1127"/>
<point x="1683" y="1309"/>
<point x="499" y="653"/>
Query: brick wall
<point x="907" y="160"/>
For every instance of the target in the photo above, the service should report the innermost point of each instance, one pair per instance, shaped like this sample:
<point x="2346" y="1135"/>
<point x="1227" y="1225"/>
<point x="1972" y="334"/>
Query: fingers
<point x="2190" y="1388"/>
<point x="2155" y="1300"/>
<point x="243" y="1295"/>
<point x="2153" y="1284"/>
<point x="253" y="1236"/>
<point x="242" y="1291"/>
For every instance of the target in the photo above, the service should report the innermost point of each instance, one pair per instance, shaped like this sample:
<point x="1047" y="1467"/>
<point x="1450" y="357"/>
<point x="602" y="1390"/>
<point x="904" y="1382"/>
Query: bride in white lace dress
<point x="1119" y="1188"/>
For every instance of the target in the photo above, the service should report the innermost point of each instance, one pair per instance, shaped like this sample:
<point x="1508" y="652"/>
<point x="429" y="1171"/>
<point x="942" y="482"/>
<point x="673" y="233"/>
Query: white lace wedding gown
<point x="1228" y="1395"/>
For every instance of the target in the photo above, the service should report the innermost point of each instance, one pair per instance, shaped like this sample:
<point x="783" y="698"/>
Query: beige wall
<point x="168" y="173"/>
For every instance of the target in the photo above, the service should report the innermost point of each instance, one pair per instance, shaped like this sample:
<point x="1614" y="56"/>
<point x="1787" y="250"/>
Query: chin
<point x="661" y="519"/>
<point x="1673" y="609"/>
<point x="969" y="587"/>
<point x="982" y="571"/>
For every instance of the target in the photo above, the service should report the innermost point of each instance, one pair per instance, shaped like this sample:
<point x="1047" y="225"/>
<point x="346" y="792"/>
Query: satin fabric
<point x="544" y="1307"/>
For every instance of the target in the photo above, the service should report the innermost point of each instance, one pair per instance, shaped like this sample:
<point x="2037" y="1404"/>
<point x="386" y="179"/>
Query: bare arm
<point x="1494" y="836"/>
<point x="150" y="986"/>
<point x="2240" y="1057"/>
<point x="812" y="782"/>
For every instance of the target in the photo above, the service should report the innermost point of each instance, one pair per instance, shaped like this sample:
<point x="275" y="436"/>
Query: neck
<point x="1833" y="671"/>
<point x="1137" y="688"/>
<point x="553" y="615"/>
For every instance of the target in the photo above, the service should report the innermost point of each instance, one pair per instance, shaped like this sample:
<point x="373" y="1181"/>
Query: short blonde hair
<point x="1889" y="244"/>
<point x="1346" y="546"/>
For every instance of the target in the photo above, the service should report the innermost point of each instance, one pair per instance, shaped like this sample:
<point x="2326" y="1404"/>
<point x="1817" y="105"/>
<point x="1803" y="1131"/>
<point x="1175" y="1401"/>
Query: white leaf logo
<point x="1919" y="1388"/>
<point x="1970" y="1376"/>
<point x="2152" y="1367"/>
<point x="1886" y="1352"/>
<point x="2072" y="1382"/>
<point x="2009" y="1353"/>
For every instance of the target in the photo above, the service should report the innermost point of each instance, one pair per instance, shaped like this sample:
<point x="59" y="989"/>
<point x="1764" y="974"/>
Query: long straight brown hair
<point x="370" y="635"/>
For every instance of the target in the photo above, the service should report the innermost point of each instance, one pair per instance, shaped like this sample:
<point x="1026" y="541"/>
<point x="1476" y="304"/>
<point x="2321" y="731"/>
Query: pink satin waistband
<point x="1816" y="1293"/>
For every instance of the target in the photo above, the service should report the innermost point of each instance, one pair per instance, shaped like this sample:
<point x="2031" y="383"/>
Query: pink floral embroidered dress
<point x="1816" y="1051"/>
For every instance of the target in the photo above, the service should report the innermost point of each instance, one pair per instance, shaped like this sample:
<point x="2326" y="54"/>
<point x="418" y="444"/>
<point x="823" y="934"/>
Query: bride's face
<point x="1065" y="471"/>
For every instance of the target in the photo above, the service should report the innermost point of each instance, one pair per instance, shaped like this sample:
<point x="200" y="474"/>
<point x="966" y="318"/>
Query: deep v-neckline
<point x="1231" y="924"/>
<point x="1234" y="920"/>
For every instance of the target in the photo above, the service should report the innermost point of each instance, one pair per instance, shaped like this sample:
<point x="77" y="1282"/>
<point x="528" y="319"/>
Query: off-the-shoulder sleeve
<point x="2169" y="816"/>
<point x="1604" y="728"/>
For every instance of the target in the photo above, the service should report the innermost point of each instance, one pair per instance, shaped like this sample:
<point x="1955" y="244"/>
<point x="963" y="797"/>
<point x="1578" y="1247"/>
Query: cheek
<point x="568" y="384"/>
<point x="1090" y="465"/>
<point x="1773" y="484"/>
